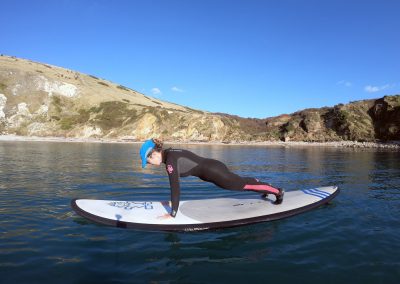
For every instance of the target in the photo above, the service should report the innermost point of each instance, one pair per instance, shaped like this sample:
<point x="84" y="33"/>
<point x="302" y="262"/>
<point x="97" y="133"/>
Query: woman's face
<point x="154" y="158"/>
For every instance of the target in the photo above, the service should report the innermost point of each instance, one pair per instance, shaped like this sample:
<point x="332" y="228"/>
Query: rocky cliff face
<point x="42" y="100"/>
<point x="367" y="120"/>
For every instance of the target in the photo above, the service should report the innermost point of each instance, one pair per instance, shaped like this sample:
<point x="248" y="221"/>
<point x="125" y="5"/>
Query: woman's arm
<point x="173" y="174"/>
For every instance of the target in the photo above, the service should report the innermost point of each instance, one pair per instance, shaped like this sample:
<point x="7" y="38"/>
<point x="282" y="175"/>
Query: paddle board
<point x="202" y="214"/>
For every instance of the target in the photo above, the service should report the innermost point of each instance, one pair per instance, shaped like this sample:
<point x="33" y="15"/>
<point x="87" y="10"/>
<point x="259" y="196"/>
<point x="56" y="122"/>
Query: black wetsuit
<point x="183" y="163"/>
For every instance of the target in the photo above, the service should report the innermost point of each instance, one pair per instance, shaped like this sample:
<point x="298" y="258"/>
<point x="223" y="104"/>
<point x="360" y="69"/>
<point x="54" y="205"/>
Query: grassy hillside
<point x="39" y="99"/>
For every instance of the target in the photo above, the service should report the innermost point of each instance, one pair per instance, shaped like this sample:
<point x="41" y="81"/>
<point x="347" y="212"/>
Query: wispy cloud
<point x="374" y="89"/>
<point x="156" y="91"/>
<point x="344" y="83"/>
<point x="176" y="89"/>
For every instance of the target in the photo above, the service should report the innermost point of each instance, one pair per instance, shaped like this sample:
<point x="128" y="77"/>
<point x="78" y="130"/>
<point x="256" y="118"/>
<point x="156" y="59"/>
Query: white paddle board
<point x="201" y="214"/>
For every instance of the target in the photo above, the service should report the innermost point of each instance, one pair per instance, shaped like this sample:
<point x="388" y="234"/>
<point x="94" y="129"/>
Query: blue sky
<point x="251" y="58"/>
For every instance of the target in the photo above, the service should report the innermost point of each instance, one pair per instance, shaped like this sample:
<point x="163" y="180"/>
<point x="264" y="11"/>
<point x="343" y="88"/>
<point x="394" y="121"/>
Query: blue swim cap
<point x="147" y="146"/>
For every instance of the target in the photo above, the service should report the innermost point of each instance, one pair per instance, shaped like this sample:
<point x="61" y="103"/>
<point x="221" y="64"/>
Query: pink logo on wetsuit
<point x="170" y="169"/>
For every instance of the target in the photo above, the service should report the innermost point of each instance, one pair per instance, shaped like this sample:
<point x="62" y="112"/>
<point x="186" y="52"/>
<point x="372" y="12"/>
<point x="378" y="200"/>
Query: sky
<point x="252" y="58"/>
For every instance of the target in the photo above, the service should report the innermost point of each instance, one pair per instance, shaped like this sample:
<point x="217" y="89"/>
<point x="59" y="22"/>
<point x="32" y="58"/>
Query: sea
<point x="353" y="239"/>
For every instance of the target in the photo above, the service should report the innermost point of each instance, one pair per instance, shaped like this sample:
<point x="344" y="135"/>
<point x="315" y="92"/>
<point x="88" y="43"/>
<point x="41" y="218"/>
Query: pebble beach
<point x="337" y="144"/>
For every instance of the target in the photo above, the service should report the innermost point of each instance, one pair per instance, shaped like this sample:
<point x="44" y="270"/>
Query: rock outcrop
<point x="366" y="120"/>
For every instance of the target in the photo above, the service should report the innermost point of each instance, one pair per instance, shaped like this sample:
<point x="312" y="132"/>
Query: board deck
<point x="201" y="214"/>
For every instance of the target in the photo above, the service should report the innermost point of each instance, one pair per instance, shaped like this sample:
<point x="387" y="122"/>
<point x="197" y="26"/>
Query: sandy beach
<point x="337" y="144"/>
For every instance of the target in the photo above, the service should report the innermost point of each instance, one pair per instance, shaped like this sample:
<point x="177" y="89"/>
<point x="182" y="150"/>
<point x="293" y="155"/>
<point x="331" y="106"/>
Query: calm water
<point x="356" y="239"/>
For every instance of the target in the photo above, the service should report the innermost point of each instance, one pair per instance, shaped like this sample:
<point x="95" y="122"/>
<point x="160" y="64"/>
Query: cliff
<point x="366" y="120"/>
<point x="43" y="100"/>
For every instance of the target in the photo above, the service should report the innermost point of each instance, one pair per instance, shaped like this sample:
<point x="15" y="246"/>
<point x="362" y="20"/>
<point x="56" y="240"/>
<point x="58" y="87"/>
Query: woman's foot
<point x="279" y="197"/>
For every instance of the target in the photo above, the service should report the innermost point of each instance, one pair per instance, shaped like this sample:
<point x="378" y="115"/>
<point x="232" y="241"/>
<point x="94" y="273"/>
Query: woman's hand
<point x="164" y="217"/>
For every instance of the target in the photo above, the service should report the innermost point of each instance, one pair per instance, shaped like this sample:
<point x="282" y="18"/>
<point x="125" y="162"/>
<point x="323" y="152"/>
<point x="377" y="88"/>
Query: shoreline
<point x="337" y="144"/>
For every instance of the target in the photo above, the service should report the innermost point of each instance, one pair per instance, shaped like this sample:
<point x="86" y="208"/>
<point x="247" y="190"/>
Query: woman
<point x="183" y="163"/>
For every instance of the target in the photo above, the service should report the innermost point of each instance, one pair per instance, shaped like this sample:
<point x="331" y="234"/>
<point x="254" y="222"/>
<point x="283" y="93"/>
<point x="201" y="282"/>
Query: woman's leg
<point x="216" y="172"/>
<point x="256" y="185"/>
<point x="265" y="188"/>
